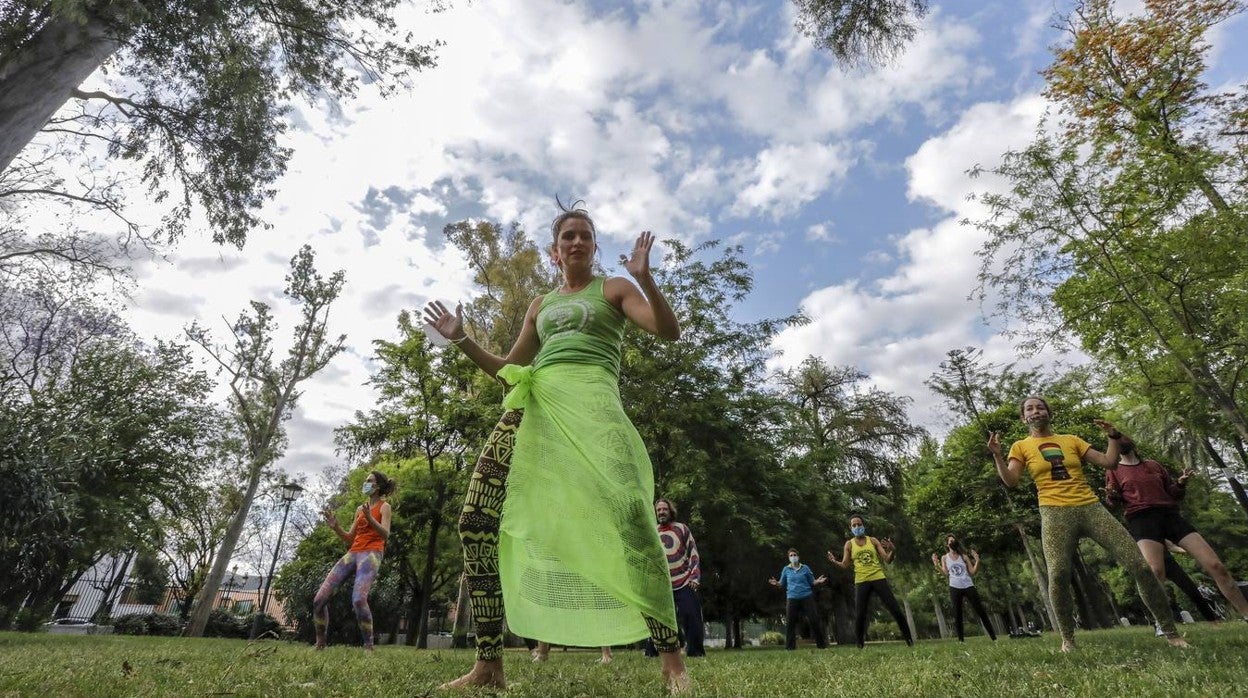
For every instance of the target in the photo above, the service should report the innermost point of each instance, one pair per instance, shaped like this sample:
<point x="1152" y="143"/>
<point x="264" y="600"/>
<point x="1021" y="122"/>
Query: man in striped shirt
<point x="683" y="564"/>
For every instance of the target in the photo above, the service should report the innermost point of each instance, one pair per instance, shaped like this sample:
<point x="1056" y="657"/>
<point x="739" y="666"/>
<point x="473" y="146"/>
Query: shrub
<point x="771" y="637"/>
<point x="222" y="623"/>
<point x="130" y="624"/>
<point x="162" y="624"/>
<point x="29" y="620"/>
<point x="268" y="624"/>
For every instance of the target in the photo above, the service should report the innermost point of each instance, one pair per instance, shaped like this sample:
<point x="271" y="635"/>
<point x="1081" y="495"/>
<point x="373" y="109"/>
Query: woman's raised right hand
<point x="441" y="320"/>
<point x="994" y="443"/>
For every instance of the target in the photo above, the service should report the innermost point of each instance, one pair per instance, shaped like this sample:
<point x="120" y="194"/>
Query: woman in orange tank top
<point x="367" y="539"/>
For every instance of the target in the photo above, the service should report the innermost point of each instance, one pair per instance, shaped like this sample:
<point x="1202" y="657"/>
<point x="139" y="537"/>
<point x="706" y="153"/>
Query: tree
<point x="860" y="31"/>
<point x="263" y="393"/>
<point x="88" y="456"/>
<point x="207" y="86"/>
<point x="1127" y="217"/>
<point x="853" y="439"/>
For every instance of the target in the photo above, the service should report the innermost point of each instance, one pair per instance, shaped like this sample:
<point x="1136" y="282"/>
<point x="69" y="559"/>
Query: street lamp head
<point x="291" y="492"/>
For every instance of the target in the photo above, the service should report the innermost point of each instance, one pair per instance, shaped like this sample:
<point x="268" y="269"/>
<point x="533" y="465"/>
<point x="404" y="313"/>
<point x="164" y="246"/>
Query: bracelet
<point x="460" y="340"/>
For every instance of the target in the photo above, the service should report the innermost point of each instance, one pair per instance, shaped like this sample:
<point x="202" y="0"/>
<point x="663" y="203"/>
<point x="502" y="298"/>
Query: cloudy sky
<point x="696" y="120"/>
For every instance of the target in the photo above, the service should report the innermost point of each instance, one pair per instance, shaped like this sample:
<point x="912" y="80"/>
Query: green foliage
<point x="147" y="624"/>
<point x="130" y="624"/>
<point x="860" y="31"/>
<point x="151" y="578"/>
<point x="222" y="623"/>
<point x="1123" y="219"/>
<point x="97" y="431"/>
<point x="771" y="637"/>
<point x="209" y="87"/>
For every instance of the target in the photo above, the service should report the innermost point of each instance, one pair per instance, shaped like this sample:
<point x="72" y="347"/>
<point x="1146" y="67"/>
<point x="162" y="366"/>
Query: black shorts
<point x="1160" y="524"/>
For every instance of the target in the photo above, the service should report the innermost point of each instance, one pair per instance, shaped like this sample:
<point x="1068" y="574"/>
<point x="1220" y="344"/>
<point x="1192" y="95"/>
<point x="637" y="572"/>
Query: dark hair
<point x="385" y="485"/>
<point x="670" y="507"/>
<point x="957" y="543"/>
<point x="792" y="550"/>
<point x="856" y="515"/>
<point x="568" y="212"/>
<point x="1023" y="404"/>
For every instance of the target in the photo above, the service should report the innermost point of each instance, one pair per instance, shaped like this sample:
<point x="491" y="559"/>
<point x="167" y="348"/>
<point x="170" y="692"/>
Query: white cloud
<point x="899" y="327"/>
<point x="786" y="176"/>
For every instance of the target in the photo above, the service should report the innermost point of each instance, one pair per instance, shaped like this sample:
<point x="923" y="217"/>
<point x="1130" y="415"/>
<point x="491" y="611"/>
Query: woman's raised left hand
<point x="639" y="264"/>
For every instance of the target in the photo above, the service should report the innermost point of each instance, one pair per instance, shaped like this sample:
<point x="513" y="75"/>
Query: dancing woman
<point x="576" y="555"/>
<point x="960" y="569"/>
<point x="1070" y="511"/>
<point x="367" y="541"/>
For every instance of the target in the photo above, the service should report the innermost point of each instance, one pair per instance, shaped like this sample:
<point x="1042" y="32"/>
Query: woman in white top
<point x="960" y="567"/>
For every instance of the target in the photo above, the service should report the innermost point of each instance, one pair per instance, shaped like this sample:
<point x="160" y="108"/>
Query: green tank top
<point x="867" y="565"/>
<point x="580" y="328"/>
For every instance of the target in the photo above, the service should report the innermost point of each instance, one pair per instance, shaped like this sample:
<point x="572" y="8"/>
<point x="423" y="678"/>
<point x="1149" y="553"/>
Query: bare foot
<point x="605" y="660"/>
<point x="483" y="674"/>
<point x="540" y="656"/>
<point x="1068" y="645"/>
<point x="1176" y="640"/>
<point x="678" y="684"/>
<point x="674" y="674"/>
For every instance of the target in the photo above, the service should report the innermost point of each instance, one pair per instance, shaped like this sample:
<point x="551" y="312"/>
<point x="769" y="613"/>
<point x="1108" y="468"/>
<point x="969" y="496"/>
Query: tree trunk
<point x="737" y="638"/>
<point x="104" y="611"/>
<point x="426" y="582"/>
<point x="463" y="616"/>
<point x="1236" y="487"/>
<point x="844" y="620"/>
<point x="940" y="617"/>
<point x="203" y="603"/>
<point x="40" y="76"/>
<point x="1102" y="614"/>
<point x="1042" y="578"/>
<point x="905" y="604"/>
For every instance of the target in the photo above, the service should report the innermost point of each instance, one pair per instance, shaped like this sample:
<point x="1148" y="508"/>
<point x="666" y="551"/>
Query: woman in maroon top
<point x="1152" y="499"/>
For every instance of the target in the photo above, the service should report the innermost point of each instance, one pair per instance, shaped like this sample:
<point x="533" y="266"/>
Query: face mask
<point x="792" y="559"/>
<point x="367" y="488"/>
<point x="858" y="530"/>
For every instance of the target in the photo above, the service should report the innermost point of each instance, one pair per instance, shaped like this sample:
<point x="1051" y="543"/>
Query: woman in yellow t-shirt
<point x="1070" y="511"/>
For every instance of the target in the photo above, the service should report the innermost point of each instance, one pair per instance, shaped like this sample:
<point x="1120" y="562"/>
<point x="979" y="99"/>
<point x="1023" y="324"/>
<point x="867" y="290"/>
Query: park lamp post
<point x="289" y="493"/>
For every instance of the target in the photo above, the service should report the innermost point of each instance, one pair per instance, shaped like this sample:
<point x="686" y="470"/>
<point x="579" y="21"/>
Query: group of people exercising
<point x="559" y="518"/>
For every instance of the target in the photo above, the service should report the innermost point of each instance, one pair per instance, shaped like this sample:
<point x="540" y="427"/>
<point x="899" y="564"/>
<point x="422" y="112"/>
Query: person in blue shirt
<point x="799" y="585"/>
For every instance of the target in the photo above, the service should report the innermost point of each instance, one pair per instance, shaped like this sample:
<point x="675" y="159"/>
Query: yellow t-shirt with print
<point x="867" y="564"/>
<point x="1055" y="463"/>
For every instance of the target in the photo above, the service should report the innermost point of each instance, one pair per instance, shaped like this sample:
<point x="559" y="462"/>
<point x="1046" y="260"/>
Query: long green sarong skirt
<point x="579" y="552"/>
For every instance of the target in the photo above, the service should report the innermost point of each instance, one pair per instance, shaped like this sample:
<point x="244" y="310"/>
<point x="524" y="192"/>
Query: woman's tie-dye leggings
<point x="364" y="565"/>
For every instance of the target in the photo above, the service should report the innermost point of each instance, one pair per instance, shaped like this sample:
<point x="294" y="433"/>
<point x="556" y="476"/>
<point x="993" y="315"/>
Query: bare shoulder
<point x="618" y="287"/>
<point x="535" y="306"/>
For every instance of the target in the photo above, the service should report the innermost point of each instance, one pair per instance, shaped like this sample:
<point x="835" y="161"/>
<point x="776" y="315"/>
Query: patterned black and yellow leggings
<point x="1061" y="527"/>
<point x="478" y="530"/>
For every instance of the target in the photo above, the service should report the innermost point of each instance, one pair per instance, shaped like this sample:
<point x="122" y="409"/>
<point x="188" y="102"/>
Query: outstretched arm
<point x="451" y="326"/>
<point x="845" y="561"/>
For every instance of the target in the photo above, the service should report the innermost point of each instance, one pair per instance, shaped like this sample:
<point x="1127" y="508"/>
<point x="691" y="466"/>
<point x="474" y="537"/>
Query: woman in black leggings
<point x="960" y="568"/>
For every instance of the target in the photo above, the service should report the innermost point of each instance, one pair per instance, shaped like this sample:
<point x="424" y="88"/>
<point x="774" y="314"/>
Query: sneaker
<point x="1157" y="630"/>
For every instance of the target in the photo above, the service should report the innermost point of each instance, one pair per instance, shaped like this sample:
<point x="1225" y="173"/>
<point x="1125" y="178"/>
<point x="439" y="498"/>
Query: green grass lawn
<point x="1125" y="662"/>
